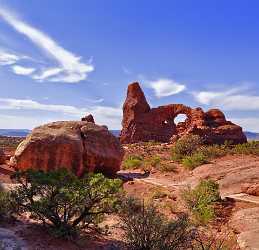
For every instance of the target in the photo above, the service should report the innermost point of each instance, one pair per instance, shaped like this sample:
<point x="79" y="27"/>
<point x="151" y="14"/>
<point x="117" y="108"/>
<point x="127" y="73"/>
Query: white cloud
<point x="232" y="99"/>
<point x="71" y="69"/>
<point x="19" y="70"/>
<point x="8" y="58"/>
<point x="110" y="116"/>
<point x="165" y="87"/>
<point x="25" y="104"/>
<point x="25" y="122"/>
<point x="47" y="73"/>
<point x="249" y="124"/>
<point x="100" y="100"/>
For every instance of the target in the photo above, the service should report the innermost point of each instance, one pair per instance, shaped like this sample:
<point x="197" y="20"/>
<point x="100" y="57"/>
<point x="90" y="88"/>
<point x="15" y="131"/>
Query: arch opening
<point x="180" y="118"/>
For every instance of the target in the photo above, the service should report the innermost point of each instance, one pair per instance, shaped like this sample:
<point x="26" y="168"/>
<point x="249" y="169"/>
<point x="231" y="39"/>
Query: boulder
<point x="250" y="188"/>
<point x="78" y="146"/>
<point x="142" y="123"/>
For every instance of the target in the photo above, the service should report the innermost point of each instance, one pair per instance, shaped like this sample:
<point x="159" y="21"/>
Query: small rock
<point x="250" y="188"/>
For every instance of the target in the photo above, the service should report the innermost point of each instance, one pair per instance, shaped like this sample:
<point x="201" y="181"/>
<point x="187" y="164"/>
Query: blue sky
<point x="62" y="59"/>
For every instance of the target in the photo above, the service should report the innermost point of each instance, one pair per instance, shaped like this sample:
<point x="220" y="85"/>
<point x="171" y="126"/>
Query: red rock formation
<point x="141" y="123"/>
<point x="78" y="146"/>
<point x="88" y="118"/>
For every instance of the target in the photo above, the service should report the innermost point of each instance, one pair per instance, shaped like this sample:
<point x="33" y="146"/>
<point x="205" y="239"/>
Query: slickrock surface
<point x="246" y="223"/>
<point x="77" y="146"/>
<point x="231" y="172"/>
<point x="142" y="123"/>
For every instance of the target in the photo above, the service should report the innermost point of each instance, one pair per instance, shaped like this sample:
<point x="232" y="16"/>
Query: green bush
<point x="201" y="199"/>
<point x="167" y="167"/>
<point x="203" y="241"/>
<point x="132" y="162"/>
<point x="186" y="146"/>
<point x="150" y="143"/>
<point x="194" y="160"/>
<point x="63" y="201"/>
<point x="247" y="148"/>
<point x="214" y="151"/>
<point x="6" y="207"/>
<point x="152" y="162"/>
<point x="158" y="193"/>
<point x="147" y="229"/>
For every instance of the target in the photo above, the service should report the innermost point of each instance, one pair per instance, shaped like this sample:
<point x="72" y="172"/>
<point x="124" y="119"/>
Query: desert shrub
<point x="63" y="201"/>
<point x="207" y="240"/>
<point x="6" y="205"/>
<point x="150" y="143"/>
<point x="186" y="146"/>
<point x="169" y="206"/>
<point x="214" y="151"/>
<point x="194" y="160"/>
<point x="251" y="147"/>
<point x="152" y="162"/>
<point x="147" y="229"/>
<point x="190" y="149"/>
<point x="132" y="162"/>
<point x="167" y="167"/>
<point x="158" y="193"/>
<point x="200" y="200"/>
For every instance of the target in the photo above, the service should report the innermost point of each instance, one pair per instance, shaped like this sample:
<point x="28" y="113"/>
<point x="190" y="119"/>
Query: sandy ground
<point x="162" y="188"/>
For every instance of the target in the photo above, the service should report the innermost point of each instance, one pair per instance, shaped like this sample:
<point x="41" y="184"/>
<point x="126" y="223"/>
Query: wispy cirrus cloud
<point x="25" y="122"/>
<point x="110" y="116"/>
<point x="9" y="58"/>
<point x="100" y="100"/>
<point x="69" y="67"/>
<point x="19" y="70"/>
<point x="166" y="87"/>
<point x="231" y="99"/>
<point x="248" y="123"/>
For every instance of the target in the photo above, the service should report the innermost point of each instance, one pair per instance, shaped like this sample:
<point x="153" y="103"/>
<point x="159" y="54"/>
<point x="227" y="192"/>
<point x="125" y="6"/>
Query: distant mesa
<point x="142" y="123"/>
<point x="14" y="132"/>
<point x="78" y="146"/>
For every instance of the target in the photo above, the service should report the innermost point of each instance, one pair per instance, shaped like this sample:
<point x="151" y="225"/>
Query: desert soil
<point x="164" y="188"/>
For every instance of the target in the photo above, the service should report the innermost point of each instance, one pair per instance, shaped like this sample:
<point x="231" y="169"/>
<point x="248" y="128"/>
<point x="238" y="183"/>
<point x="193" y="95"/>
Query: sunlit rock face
<point x="78" y="146"/>
<point x="142" y="123"/>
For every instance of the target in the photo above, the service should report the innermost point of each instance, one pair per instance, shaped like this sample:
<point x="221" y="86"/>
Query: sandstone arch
<point x="142" y="123"/>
